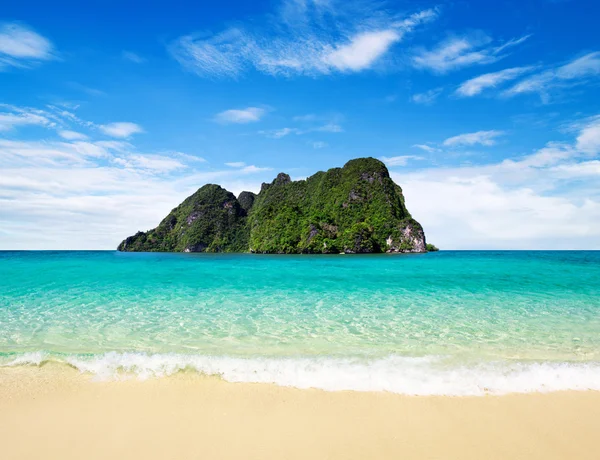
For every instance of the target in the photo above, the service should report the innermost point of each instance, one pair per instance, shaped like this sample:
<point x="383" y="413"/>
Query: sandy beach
<point x="53" y="412"/>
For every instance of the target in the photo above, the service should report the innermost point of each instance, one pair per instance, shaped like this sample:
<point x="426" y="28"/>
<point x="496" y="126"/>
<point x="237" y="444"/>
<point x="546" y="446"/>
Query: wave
<point x="430" y="375"/>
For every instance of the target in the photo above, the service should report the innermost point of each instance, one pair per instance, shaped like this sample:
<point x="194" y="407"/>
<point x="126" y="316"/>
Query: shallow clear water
<point x="438" y="323"/>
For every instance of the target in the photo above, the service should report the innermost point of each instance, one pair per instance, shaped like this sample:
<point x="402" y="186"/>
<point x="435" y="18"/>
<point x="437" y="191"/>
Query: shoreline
<point x="48" y="412"/>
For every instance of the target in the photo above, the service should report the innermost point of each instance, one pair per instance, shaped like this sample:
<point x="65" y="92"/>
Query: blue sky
<point x="487" y="115"/>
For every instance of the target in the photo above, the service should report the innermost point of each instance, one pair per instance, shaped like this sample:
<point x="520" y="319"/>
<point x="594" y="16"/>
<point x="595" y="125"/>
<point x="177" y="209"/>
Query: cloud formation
<point x="462" y="51"/>
<point x="426" y="98"/>
<point x="548" y="199"/>
<point x="77" y="193"/>
<point x="401" y="160"/>
<point x="121" y="129"/>
<point x="478" y="84"/>
<point x="240" y="116"/>
<point x="309" y="37"/>
<point x="21" y="46"/>
<point x="427" y="148"/>
<point x="576" y="72"/>
<point x="486" y="138"/>
<point x="588" y="140"/>
<point x="71" y="135"/>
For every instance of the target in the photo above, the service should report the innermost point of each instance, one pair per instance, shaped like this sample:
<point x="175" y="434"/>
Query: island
<point x="354" y="209"/>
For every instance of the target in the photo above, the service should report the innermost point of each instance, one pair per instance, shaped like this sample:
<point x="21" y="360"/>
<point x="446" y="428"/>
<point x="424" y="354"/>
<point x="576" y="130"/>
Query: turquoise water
<point x="438" y="323"/>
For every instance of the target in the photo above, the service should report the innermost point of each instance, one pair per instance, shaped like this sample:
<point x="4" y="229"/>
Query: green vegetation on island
<point x="354" y="209"/>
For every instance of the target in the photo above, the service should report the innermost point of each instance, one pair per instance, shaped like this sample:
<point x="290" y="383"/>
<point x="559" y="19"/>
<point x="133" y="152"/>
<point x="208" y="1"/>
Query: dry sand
<point x="48" y="413"/>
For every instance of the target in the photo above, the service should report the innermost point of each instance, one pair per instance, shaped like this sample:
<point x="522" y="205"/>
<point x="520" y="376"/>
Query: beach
<point x="55" y="412"/>
<point x="451" y="355"/>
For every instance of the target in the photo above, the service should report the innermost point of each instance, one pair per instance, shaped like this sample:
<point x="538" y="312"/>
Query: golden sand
<point x="48" y="413"/>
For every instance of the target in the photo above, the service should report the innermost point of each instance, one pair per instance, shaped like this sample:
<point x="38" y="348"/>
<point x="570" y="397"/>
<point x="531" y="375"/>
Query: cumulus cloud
<point x="121" y="129"/>
<point x="21" y="46"/>
<point x="548" y="199"/>
<point x="588" y="140"/>
<point x="90" y="194"/>
<point x="462" y="51"/>
<point x="247" y="115"/>
<point x="478" y="84"/>
<point x="576" y="72"/>
<point x="307" y="38"/>
<point x="486" y="138"/>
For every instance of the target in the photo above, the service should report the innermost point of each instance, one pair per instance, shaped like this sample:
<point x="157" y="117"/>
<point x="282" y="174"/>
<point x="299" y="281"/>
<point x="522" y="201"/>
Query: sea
<point x="445" y="323"/>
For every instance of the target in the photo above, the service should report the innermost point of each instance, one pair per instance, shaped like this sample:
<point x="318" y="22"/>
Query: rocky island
<point x="354" y="209"/>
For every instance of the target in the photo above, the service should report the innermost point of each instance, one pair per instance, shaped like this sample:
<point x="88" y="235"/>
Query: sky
<point x="487" y="114"/>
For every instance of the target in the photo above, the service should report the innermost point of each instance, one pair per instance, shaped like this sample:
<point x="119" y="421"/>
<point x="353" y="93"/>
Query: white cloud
<point x="121" y="129"/>
<point x="279" y="133"/>
<point x="71" y="135"/>
<point x="155" y="163"/>
<point x="478" y="212"/>
<point x="588" y="140"/>
<point x="546" y="200"/>
<point x="575" y="72"/>
<point x="478" y="84"/>
<point x="9" y="121"/>
<point x="21" y="46"/>
<point x="310" y="37"/>
<point x="486" y="138"/>
<point x="457" y="52"/>
<point x="329" y="128"/>
<point x="427" y="148"/>
<point x="236" y="164"/>
<point x="247" y="115"/>
<point x="251" y="169"/>
<point x="319" y="145"/>
<point x="362" y="51"/>
<point x="428" y="97"/>
<point x="186" y="157"/>
<point x="401" y="160"/>
<point x="13" y="117"/>
<point x="22" y="153"/>
<point x="133" y="57"/>
<point x="81" y="195"/>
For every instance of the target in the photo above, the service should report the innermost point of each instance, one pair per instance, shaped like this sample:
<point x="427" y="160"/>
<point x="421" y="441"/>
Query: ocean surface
<point x="446" y="323"/>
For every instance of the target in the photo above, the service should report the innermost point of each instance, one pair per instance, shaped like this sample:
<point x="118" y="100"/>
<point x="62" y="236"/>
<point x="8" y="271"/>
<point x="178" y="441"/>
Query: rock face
<point x="354" y="209"/>
<point x="211" y="220"/>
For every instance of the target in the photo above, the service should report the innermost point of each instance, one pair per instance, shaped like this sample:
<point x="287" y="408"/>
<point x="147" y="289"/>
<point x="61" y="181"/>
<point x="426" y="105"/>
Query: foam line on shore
<point x="429" y="375"/>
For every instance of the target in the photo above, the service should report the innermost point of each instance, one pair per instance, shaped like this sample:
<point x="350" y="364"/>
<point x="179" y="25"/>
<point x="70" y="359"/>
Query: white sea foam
<point x="34" y="357"/>
<point x="396" y="374"/>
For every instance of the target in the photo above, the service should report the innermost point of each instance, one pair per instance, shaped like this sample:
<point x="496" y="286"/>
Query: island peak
<point x="354" y="209"/>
